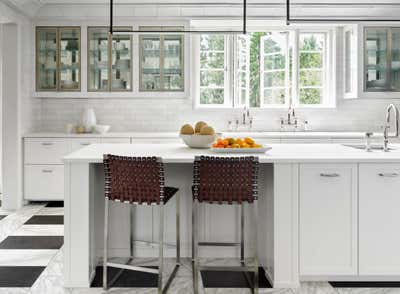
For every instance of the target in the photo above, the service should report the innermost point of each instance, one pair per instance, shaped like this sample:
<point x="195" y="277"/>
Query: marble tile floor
<point x="50" y="281"/>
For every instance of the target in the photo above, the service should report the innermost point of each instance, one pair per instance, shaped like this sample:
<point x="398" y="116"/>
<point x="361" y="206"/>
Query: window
<point x="311" y="68"/>
<point x="269" y="69"/>
<point x="161" y="61"/>
<point x="213" y="70"/>
<point x="242" y="71"/>
<point x="274" y="69"/>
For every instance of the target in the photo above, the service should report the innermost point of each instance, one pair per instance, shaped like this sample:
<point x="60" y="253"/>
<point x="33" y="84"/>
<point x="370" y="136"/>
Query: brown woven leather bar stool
<point x="138" y="181"/>
<point x="223" y="180"/>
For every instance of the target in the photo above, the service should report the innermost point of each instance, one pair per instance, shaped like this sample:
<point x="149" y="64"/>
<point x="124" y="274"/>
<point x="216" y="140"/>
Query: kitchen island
<point x="325" y="212"/>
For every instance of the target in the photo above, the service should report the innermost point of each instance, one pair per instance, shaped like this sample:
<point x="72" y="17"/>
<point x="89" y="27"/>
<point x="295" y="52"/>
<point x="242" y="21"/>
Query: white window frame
<point x="325" y="69"/>
<point x="228" y="102"/>
<point x="231" y="80"/>
<point x="286" y="70"/>
<point x="237" y="86"/>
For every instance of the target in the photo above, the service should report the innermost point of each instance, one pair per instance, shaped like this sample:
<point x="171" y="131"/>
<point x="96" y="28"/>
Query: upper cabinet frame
<point x="58" y="59"/>
<point x="369" y="75"/>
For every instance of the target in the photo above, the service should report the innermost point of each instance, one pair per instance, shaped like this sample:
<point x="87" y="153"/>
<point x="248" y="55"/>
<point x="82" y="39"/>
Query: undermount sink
<point x="362" y="147"/>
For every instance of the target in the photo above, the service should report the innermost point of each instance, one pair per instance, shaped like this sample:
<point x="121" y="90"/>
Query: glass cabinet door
<point x="173" y="59"/>
<point x="395" y="60"/>
<point x="150" y="67"/>
<point x="46" y="59"/>
<point x="161" y="60"/>
<point x="98" y="59"/>
<point x="69" y="59"/>
<point x="376" y="59"/>
<point x="121" y="63"/>
<point x="109" y="61"/>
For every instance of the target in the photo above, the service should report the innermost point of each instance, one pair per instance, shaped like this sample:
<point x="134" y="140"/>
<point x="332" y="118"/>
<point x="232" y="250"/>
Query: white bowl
<point x="199" y="141"/>
<point x="101" y="129"/>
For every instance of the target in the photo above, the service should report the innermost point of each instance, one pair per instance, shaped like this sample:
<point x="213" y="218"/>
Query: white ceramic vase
<point x="89" y="119"/>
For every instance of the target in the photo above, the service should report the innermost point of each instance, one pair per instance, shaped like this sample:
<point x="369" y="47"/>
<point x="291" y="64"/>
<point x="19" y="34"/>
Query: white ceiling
<point x="30" y="7"/>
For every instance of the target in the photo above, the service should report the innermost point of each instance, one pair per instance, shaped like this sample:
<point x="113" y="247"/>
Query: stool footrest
<point x="133" y="268"/>
<point x="229" y="268"/>
<point x="222" y="244"/>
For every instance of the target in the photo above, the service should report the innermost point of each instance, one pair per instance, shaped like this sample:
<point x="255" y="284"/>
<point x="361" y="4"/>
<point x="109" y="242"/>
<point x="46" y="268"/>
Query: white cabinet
<point x="328" y="219"/>
<point x="379" y="219"/>
<point x="45" y="150"/>
<point x="44" y="168"/>
<point x="78" y="143"/>
<point x="44" y="182"/>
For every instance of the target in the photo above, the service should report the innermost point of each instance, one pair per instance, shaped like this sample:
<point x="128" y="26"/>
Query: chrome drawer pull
<point x="85" y="144"/>
<point x="47" y="170"/>
<point x="47" y="144"/>
<point x="333" y="175"/>
<point x="388" y="175"/>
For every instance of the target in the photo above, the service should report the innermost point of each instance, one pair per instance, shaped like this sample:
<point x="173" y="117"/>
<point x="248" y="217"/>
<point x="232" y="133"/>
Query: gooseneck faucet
<point x="386" y="135"/>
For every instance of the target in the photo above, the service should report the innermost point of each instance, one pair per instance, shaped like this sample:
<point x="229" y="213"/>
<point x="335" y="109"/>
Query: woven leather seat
<point x="169" y="192"/>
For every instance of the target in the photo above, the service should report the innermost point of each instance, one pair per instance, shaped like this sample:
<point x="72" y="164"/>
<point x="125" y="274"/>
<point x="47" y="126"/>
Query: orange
<point x="249" y="141"/>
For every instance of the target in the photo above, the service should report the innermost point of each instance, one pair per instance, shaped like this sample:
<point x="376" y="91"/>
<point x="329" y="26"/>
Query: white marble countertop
<point x="169" y="135"/>
<point x="179" y="153"/>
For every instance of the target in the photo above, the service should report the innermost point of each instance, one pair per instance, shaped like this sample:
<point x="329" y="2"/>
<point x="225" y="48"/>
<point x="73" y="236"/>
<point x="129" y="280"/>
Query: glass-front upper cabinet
<point x="58" y="56"/>
<point x="69" y="71"/>
<point x="382" y="59"/>
<point x="109" y="61"/>
<point x="161" y="60"/>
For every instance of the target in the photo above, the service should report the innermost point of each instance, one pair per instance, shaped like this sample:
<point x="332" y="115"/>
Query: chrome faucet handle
<point x="368" y="136"/>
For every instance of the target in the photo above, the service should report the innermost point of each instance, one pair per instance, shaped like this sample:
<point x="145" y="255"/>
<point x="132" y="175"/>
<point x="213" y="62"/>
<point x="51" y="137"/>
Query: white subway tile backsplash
<point x="155" y="115"/>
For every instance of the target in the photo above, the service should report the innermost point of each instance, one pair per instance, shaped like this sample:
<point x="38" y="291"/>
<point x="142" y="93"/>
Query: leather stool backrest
<point x="134" y="179"/>
<point x="225" y="179"/>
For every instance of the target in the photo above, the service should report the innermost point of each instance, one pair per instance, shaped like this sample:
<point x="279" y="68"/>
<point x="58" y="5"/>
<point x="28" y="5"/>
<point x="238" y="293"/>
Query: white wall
<point x="148" y="114"/>
<point x="16" y="100"/>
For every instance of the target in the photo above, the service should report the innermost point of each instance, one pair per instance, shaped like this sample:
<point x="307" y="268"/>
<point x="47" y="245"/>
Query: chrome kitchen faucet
<point x="386" y="135"/>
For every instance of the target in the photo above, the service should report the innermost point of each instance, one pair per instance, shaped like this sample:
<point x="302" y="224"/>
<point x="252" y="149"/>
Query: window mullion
<point x="229" y="87"/>
<point x="262" y="70"/>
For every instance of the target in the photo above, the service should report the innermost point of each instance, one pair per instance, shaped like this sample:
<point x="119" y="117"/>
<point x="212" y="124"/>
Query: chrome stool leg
<point x="161" y="248"/>
<point x="242" y="233"/>
<point x="195" y="247"/>
<point x="178" y="246"/>
<point x="131" y="240"/>
<point x="105" y="249"/>
<point x="178" y="228"/>
<point x="256" y="263"/>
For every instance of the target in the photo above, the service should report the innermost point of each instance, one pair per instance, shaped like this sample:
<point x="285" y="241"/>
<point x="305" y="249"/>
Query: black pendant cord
<point x="290" y="20"/>
<point x="243" y="31"/>
<point x="244" y="17"/>
<point x="111" y="16"/>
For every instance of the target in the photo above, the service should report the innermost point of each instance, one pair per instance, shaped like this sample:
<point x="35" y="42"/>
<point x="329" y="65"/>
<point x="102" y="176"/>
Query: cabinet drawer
<point x="379" y="219"/>
<point x="328" y="219"/>
<point x="116" y="140"/>
<point x="45" y="151"/>
<point x="77" y="144"/>
<point x="44" y="182"/>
